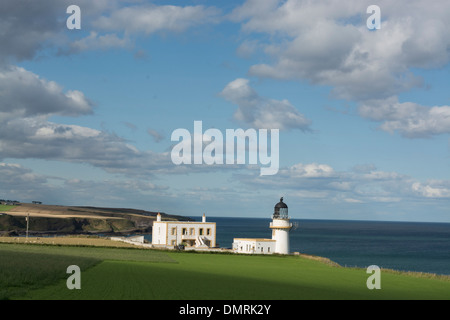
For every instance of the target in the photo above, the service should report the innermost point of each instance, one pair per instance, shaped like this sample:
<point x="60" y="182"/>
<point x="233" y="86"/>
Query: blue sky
<point x="87" y="115"/>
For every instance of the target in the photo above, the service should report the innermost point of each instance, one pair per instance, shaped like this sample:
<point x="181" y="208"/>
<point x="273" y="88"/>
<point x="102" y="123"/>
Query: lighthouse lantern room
<point x="281" y="226"/>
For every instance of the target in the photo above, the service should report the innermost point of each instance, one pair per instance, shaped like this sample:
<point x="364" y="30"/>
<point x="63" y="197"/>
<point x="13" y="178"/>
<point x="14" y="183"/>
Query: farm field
<point x="38" y="272"/>
<point x="25" y="267"/>
<point x="5" y="208"/>
<point x="67" y="241"/>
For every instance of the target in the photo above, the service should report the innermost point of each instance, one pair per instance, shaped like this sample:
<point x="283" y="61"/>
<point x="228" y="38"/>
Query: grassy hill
<point x="113" y="273"/>
<point x="53" y="219"/>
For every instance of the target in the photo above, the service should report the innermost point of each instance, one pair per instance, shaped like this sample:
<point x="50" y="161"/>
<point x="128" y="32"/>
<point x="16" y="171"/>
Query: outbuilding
<point x="190" y="234"/>
<point x="256" y="245"/>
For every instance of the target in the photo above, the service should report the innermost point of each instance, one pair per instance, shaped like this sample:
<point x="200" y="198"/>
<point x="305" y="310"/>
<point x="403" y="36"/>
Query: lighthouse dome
<point x="280" y="210"/>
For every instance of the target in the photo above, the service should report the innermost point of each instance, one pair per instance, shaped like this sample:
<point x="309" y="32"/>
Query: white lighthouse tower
<point x="281" y="226"/>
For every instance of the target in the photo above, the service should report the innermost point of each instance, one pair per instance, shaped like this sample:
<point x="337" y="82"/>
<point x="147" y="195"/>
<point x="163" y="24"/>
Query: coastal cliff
<point x="50" y="219"/>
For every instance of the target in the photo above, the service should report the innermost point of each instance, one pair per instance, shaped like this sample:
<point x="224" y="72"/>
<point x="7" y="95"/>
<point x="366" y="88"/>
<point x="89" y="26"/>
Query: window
<point x="208" y="231"/>
<point x="174" y="231"/>
<point x="201" y="231"/>
<point x="184" y="231"/>
<point x="192" y="232"/>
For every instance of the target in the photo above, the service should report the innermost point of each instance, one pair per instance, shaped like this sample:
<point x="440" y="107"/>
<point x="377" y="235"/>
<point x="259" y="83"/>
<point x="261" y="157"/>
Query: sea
<point x="404" y="246"/>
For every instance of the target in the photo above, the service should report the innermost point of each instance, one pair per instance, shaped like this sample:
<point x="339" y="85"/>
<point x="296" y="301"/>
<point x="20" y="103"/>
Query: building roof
<point x="184" y="222"/>
<point x="255" y="239"/>
<point x="281" y="204"/>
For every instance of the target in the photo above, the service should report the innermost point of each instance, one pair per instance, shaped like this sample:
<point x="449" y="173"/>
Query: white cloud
<point x="313" y="180"/>
<point x="25" y="27"/>
<point x="432" y="189"/>
<point x="149" y="19"/>
<point x="26" y="104"/>
<point x="328" y="43"/>
<point x="31" y="26"/>
<point x="22" y="184"/>
<point x="351" y="200"/>
<point x="260" y="112"/>
<point x="312" y="170"/>
<point x="25" y="94"/>
<point x="94" y="41"/>
<point x="409" y="119"/>
<point x="18" y="182"/>
<point x="28" y="27"/>
<point x="28" y="101"/>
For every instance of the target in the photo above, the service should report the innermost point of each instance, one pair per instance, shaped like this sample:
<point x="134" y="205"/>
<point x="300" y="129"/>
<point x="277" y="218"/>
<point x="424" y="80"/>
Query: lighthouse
<point x="281" y="226"/>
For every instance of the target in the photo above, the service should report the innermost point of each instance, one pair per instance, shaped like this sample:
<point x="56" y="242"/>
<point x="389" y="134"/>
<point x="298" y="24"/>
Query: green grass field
<point x="38" y="272"/>
<point x="24" y="267"/>
<point x="5" y="208"/>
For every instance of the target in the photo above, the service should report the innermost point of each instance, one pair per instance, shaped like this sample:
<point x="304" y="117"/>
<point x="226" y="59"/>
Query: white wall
<point x="171" y="233"/>
<point x="257" y="246"/>
<point x="282" y="241"/>
<point x="280" y="233"/>
<point x="159" y="231"/>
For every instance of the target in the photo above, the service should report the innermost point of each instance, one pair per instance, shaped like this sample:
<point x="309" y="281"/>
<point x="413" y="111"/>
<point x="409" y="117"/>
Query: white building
<point x="191" y="234"/>
<point x="280" y="225"/>
<point x="254" y="245"/>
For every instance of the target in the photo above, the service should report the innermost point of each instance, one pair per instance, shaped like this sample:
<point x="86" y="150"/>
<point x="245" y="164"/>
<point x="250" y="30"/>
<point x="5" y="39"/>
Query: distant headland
<point x="56" y="219"/>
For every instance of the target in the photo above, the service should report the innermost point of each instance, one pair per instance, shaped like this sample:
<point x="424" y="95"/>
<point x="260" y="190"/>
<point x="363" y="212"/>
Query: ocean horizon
<point x="403" y="246"/>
